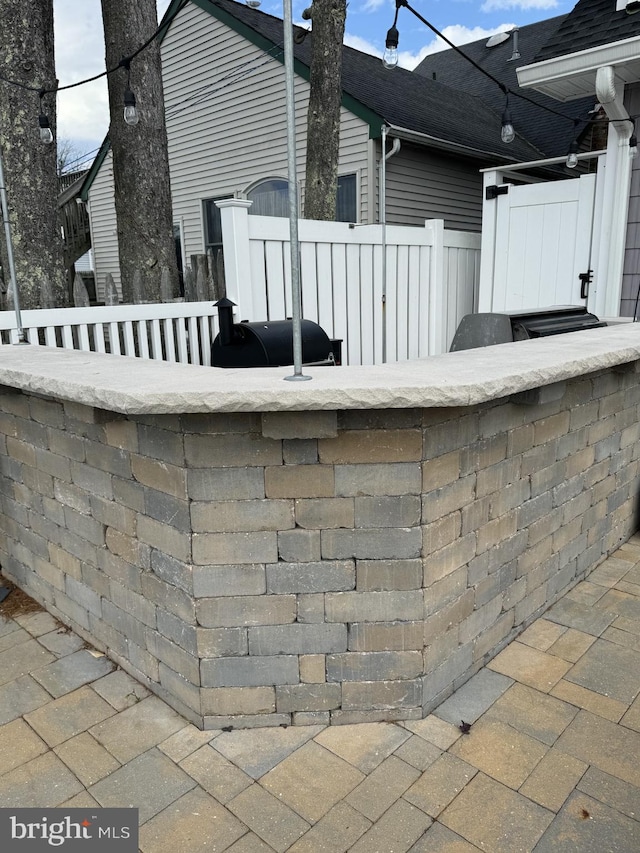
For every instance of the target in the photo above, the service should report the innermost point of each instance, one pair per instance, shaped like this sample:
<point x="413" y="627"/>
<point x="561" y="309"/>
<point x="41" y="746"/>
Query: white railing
<point x="390" y="293"/>
<point x="175" y="331"/>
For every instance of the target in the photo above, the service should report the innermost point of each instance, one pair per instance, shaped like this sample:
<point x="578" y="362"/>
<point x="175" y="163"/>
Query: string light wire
<point x="502" y="86"/>
<point x="43" y="90"/>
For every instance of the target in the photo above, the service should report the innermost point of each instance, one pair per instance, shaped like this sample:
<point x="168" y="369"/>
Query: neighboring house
<point x="224" y="95"/>
<point x="595" y="51"/>
<point x="552" y="129"/>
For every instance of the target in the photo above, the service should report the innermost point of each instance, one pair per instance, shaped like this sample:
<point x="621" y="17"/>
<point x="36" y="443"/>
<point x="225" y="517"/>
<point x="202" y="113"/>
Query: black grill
<point x="482" y="330"/>
<point x="269" y="343"/>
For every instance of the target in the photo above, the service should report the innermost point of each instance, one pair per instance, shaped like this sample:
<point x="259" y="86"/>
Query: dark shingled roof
<point x="551" y="133"/>
<point x="399" y="97"/>
<point x="591" y="23"/>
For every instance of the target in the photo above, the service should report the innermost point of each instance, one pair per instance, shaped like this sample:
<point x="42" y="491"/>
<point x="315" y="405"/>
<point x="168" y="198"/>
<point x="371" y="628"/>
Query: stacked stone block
<point x="315" y="567"/>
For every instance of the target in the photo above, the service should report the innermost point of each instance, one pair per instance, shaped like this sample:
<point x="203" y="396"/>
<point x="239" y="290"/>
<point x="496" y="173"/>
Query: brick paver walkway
<point x="551" y="761"/>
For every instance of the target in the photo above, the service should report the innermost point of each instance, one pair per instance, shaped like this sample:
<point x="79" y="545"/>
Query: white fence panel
<point x="180" y="331"/>
<point x="389" y="293"/>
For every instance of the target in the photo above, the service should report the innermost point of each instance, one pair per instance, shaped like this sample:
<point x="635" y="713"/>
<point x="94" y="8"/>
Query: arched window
<point x="270" y="198"/>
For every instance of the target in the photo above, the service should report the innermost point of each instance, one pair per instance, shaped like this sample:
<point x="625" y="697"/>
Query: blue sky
<point x="83" y="115"/>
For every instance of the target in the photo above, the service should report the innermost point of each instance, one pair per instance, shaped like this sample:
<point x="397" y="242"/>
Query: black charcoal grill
<point x="268" y="343"/>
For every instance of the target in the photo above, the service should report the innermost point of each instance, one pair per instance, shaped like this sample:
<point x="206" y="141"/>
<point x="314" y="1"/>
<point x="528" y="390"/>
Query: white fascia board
<point x="563" y="68"/>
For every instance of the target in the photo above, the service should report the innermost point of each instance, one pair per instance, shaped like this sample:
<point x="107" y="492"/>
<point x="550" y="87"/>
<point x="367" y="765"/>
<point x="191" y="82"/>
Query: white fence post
<point x="437" y="294"/>
<point x="234" y="214"/>
<point x="488" y="248"/>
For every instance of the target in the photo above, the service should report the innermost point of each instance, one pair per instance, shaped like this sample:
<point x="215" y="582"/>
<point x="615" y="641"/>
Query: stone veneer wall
<point x="315" y="566"/>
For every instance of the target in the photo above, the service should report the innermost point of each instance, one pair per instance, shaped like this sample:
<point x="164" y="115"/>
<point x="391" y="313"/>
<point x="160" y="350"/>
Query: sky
<point x="83" y="113"/>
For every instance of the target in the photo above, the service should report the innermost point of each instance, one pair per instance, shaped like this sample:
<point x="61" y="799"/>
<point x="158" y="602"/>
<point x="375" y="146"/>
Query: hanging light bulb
<point x="46" y="134"/>
<point x="507" y="133"/>
<point x="131" y="115"/>
<point x="572" y="156"/>
<point x="390" y="55"/>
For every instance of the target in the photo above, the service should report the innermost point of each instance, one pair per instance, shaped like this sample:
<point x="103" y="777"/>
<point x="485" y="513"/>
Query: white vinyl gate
<point x="536" y="243"/>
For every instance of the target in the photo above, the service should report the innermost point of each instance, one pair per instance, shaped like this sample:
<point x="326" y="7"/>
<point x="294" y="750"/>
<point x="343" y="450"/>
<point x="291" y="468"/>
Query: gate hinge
<point x="586" y="278"/>
<point x="495" y="190"/>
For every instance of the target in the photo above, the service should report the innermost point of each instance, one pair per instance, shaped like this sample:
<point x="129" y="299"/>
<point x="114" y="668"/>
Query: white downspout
<point x="605" y="300"/>
<point x="382" y="205"/>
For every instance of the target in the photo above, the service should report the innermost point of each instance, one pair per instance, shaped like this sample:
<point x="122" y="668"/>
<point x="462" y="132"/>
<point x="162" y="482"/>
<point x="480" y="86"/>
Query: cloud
<point x="456" y="33"/>
<point x="523" y="5"/>
<point x="361" y="44"/>
<point x="82" y="112"/>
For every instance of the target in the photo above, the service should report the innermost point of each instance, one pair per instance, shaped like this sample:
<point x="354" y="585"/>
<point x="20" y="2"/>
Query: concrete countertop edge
<point x="133" y="386"/>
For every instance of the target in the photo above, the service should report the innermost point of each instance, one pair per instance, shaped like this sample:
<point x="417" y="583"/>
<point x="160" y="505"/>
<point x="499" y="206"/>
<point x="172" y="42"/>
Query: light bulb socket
<point x="393" y="37"/>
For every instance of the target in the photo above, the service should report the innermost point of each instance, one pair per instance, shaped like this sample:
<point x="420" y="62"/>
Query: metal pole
<point x="13" y="281"/>
<point x="293" y="192"/>
<point x="382" y="190"/>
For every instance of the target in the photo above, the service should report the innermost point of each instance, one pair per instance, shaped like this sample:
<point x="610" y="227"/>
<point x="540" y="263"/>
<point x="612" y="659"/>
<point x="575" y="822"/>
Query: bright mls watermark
<point x="36" y="830"/>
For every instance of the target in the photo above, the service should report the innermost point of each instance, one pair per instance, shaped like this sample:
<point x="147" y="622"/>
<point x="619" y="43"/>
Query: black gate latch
<point x="586" y="278"/>
<point x="494" y="191"/>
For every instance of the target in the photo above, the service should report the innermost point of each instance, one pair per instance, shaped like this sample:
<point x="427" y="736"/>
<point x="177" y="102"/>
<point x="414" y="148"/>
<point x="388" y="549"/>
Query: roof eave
<point x="573" y="75"/>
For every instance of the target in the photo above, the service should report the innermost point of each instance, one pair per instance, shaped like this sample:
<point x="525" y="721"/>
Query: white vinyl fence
<point x="408" y="307"/>
<point x="405" y="308"/>
<point x="174" y="331"/>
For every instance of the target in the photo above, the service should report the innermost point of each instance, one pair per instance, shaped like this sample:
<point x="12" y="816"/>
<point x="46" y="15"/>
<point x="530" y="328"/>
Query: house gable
<point x="236" y="16"/>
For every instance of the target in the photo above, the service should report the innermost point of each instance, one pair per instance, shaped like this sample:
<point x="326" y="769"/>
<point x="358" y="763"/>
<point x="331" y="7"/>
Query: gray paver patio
<point x="550" y="764"/>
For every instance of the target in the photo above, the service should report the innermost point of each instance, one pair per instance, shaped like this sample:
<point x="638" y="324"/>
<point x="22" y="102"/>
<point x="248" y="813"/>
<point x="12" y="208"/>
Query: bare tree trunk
<point x="323" y="121"/>
<point x="140" y="158"/>
<point x="26" y="57"/>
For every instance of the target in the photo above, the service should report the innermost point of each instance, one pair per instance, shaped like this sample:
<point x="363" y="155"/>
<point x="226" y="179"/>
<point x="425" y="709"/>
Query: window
<point x="271" y="198"/>
<point x="213" y="224"/>
<point x="347" y="208"/>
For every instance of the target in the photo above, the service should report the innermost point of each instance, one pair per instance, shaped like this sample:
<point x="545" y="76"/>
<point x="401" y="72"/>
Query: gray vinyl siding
<point x="226" y="128"/>
<point x="235" y="135"/>
<point x="423" y="184"/>
<point x="104" y="239"/>
<point x="631" y="273"/>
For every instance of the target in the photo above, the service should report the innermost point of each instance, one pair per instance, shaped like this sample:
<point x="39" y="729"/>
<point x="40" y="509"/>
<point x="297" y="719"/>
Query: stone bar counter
<point x="352" y="548"/>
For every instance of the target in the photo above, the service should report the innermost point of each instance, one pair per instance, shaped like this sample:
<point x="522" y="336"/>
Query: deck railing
<point x="167" y="331"/>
